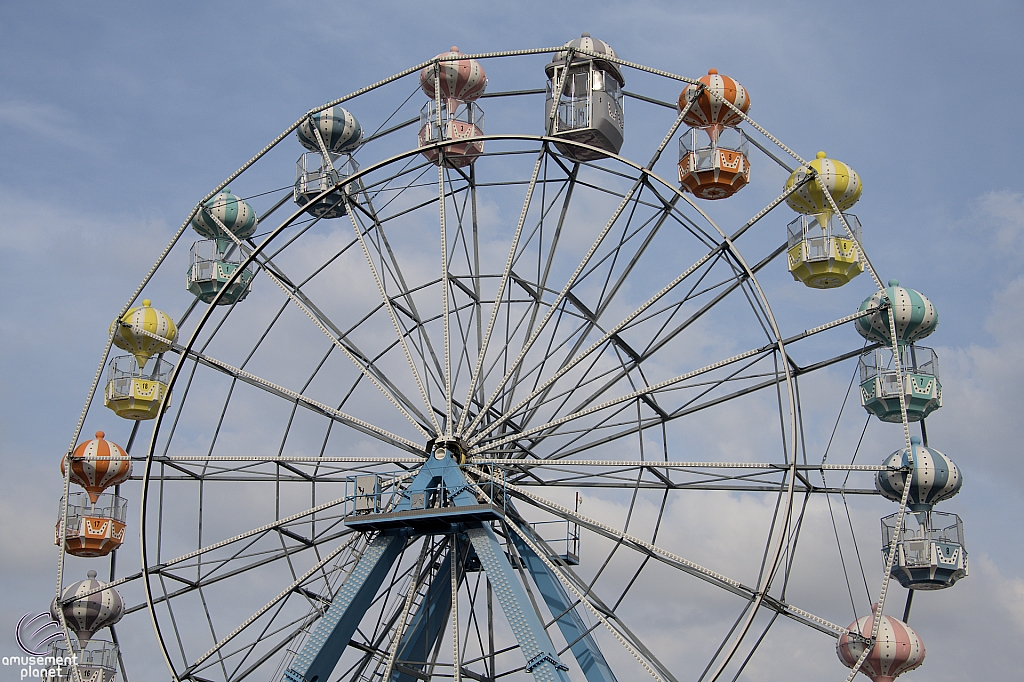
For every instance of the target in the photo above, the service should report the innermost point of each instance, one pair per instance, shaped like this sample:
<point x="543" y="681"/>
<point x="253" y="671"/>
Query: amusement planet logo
<point x="33" y="634"/>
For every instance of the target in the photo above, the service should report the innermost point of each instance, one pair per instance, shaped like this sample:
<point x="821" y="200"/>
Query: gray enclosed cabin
<point x="589" y="107"/>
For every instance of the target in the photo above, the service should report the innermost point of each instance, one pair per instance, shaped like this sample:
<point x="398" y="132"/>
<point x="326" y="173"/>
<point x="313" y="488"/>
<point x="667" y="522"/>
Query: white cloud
<point x="1005" y="210"/>
<point x="49" y="123"/>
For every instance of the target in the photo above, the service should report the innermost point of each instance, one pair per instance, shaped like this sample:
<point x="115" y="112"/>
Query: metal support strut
<point x="323" y="648"/>
<point x="459" y="510"/>
<point x="575" y="631"/>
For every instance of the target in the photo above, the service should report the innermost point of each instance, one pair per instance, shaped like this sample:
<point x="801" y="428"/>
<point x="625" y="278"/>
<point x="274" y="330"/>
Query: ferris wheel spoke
<point x="668" y="558"/>
<point x="317" y="604"/>
<point x="725" y="246"/>
<point x="656" y="344"/>
<point x="624" y="398"/>
<point x="514" y="326"/>
<point x="462" y="196"/>
<point x="322" y="322"/>
<point x="408" y="301"/>
<point x="467" y="315"/>
<point x="537" y="287"/>
<point x="633" y="226"/>
<point x="280" y="391"/>
<point x="465" y="328"/>
<point x="694" y="405"/>
<point x="611" y="289"/>
<point x="251" y="535"/>
<point x="407" y="305"/>
<point x="659" y="342"/>
<point x="575" y="470"/>
<point x="612" y="482"/>
<point x="264" y="609"/>
<point x="596" y="526"/>
<point x="284" y="633"/>
<point x="608" y="336"/>
<point x="528" y="344"/>
<point x="370" y="362"/>
<point x="630" y="375"/>
<point x="213" y="633"/>
<point x="502" y="286"/>
<point x="722" y="246"/>
<point x="445" y="295"/>
<point x="478" y="315"/>
<point x="660" y="414"/>
<point x="391" y="311"/>
<point x="373" y="373"/>
<point x="256" y="560"/>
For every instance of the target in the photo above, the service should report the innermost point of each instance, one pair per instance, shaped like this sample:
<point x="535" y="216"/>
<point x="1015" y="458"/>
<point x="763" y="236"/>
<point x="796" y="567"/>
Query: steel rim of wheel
<point x="612" y="271"/>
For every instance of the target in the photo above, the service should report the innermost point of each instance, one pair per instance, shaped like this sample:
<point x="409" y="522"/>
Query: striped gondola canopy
<point x="460" y="79"/>
<point x="98" y="464"/>
<point x="710" y="107"/>
<point x="896" y="649"/>
<point x="914" y="314"/>
<point x="88" y="614"/>
<point x="934" y="477"/>
<point x="127" y="334"/>
<point x="338" y="128"/>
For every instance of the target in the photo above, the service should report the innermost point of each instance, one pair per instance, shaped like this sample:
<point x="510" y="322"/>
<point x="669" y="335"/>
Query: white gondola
<point x="212" y="262"/>
<point x="315" y="173"/>
<point x="96" y="661"/>
<point x="588" y="108"/>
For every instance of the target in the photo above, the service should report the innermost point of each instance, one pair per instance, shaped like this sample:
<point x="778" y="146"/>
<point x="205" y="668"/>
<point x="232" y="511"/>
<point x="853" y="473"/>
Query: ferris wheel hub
<point x="454" y="448"/>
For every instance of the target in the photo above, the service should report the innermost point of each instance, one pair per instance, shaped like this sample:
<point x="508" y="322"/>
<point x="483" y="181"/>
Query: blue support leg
<point x="575" y="631"/>
<point x="323" y="648"/>
<point x="541" y="658"/>
<point x="427" y="624"/>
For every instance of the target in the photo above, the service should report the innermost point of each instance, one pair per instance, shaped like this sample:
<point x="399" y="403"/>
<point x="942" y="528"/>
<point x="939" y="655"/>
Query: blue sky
<point x="115" y="118"/>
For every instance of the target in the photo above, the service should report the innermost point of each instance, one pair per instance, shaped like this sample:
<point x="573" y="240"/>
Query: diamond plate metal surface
<point x="533" y="640"/>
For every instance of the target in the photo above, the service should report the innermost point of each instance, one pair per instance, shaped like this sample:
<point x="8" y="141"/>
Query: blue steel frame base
<point x="469" y="518"/>
<point x="575" y="631"/>
<point x="324" y="646"/>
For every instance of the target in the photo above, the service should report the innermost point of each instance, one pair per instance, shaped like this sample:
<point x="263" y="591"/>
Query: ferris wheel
<point x="436" y="394"/>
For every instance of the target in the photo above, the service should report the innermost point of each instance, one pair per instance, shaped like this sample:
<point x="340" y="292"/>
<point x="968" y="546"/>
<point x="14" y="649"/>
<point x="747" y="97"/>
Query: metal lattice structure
<point x="365" y="469"/>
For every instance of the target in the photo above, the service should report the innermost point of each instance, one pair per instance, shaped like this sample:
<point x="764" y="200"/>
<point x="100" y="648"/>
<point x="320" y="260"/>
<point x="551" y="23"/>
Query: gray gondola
<point x="589" y="108"/>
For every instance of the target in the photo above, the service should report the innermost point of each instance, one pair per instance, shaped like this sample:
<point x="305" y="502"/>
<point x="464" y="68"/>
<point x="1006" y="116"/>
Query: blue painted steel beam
<point x="541" y="658"/>
<point x="575" y="631"/>
<point x="440" y="471"/>
<point x="324" y="646"/>
<point x="440" y="467"/>
<point x="428" y="623"/>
